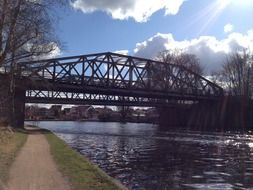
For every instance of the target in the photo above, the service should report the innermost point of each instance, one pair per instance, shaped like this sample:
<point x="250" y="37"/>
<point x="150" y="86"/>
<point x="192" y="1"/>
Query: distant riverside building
<point x="83" y="111"/>
<point x="55" y="111"/>
<point x="89" y="112"/>
<point x="36" y="113"/>
<point x="80" y="112"/>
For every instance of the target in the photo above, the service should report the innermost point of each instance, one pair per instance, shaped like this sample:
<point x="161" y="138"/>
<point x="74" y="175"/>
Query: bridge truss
<point x="113" y="79"/>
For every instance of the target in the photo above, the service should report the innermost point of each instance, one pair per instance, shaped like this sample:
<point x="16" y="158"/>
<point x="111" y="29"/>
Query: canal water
<point x="143" y="157"/>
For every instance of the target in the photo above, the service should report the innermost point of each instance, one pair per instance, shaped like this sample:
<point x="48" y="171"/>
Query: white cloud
<point x="123" y="52"/>
<point x="228" y="28"/>
<point x="210" y="51"/>
<point x="54" y="47"/>
<point x="53" y="54"/>
<point x="139" y="10"/>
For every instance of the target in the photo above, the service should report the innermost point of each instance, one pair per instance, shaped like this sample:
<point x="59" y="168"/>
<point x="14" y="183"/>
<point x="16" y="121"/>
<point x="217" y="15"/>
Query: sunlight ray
<point x="209" y="15"/>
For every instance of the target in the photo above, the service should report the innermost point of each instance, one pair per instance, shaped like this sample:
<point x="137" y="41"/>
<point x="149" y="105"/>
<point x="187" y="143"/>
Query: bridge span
<point x="111" y="79"/>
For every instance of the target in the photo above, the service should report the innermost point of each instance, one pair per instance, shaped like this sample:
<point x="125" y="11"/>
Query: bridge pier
<point x="205" y="115"/>
<point x="227" y="113"/>
<point x="236" y="113"/>
<point x="12" y="102"/>
<point x="172" y="116"/>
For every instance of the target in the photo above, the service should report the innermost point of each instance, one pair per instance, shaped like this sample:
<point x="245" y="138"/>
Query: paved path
<point x="34" y="168"/>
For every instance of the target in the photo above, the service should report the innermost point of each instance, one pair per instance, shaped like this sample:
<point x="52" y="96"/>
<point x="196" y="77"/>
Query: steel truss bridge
<point x="112" y="79"/>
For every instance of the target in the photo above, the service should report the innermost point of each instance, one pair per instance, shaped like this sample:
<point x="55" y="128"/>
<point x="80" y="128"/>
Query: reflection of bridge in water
<point x="112" y="79"/>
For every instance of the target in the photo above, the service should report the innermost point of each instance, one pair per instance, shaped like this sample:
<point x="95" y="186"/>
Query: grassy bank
<point x="81" y="173"/>
<point x="10" y="144"/>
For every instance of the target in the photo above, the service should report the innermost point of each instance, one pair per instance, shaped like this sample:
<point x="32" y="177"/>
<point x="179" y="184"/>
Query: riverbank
<point x="81" y="173"/>
<point x="40" y="160"/>
<point x="10" y="144"/>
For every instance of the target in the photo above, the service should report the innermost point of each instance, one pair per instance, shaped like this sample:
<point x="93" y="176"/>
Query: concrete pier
<point x="199" y="116"/>
<point x="229" y="113"/>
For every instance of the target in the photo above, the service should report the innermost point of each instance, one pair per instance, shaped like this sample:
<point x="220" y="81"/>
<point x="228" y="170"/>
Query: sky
<point x="210" y="29"/>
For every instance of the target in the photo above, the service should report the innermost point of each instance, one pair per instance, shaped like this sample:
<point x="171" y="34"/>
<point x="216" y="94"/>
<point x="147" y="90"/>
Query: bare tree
<point x="159" y="76"/>
<point x="26" y="30"/>
<point x="236" y="77"/>
<point x="190" y="61"/>
<point x="237" y="74"/>
<point x="26" y="33"/>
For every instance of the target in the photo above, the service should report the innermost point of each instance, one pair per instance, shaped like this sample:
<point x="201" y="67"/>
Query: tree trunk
<point x="12" y="103"/>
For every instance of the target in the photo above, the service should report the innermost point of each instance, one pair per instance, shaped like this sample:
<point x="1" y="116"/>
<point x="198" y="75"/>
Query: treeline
<point x="236" y="77"/>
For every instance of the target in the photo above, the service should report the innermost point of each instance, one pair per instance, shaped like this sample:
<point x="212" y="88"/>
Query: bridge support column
<point x="173" y="116"/>
<point x="203" y="115"/>
<point x="236" y="113"/>
<point x="12" y="103"/>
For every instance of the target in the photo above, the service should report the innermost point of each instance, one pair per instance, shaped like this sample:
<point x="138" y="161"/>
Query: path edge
<point x="114" y="181"/>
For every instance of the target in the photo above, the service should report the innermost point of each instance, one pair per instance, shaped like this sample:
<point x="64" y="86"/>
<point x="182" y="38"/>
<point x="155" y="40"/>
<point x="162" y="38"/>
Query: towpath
<point x="34" y="167"/>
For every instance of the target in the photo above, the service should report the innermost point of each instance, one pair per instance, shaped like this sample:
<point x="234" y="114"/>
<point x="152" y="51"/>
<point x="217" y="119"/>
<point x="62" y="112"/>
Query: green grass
<point x="81" y="173"/>
<point x="10" y="144"/>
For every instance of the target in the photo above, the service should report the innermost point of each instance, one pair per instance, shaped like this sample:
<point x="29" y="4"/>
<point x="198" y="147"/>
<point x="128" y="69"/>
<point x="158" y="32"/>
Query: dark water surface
<point x="142" y="157"/>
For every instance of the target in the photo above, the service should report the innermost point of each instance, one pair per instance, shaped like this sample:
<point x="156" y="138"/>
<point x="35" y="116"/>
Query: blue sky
<point x="208" y="28"/>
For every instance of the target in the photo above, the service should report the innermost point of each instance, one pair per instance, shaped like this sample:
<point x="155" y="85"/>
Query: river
<point x="143" y="157"/>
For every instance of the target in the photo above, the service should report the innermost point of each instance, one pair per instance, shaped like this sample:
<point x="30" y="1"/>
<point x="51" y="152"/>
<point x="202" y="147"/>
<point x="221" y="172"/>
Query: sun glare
<point x="243" y="2"/>
<point x="222" y="4"/>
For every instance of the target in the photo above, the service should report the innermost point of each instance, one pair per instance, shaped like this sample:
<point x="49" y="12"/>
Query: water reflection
<point x="142" y="157"/>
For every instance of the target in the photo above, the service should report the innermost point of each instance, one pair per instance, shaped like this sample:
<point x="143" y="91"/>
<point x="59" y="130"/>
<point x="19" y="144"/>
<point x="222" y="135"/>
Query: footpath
<point x="34" y="167"/>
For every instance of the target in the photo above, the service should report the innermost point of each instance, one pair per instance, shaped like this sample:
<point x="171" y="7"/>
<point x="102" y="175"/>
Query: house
<point x="55" y="111"/>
